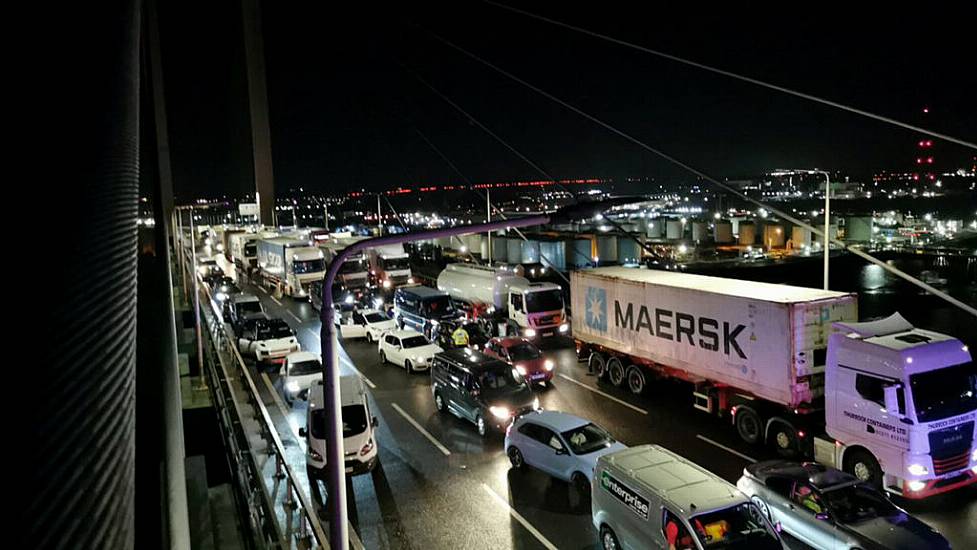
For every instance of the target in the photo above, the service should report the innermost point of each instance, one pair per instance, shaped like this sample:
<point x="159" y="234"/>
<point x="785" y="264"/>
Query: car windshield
<point x="856" y="503"/>
<point x="270" y="331"/>
<point x="438" y="305"/>
<point x="354" y="421"/>
<point x="375" y="318"/>
<point x="304" y="367"/>
<point x="414" y="342"/>
<point x="498" y="381"/>
<point x="395" y="263"/>
<point x="544" y="300"/>
<point x="587" y="439"/>
<point x="307" y="266"/>
<point x="352" y="266"/>
<point x="945" y="392"/>
<point x="523" y="352"/>
<point x="245" y="308"/>
<point x="741" y="527"/>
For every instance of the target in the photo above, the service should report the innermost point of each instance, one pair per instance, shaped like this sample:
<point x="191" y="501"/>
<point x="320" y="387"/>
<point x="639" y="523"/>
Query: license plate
<point x="547" y="334"/>
<point x="349" y="470"/>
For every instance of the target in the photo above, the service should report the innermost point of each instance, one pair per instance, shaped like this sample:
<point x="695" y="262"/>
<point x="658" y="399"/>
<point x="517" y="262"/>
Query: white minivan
<point x="359" y="433"/>
<point x="649" y="497"/>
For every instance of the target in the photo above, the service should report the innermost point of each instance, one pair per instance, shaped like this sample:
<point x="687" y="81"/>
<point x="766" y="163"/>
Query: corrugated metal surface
<point x="514" y="249"/>
<point x="529" y="251"/>
<point x="500" y="249"/>
<point x="607" y="248"/>
<point x="628" y="250"/>
<point x="554" y="253"/>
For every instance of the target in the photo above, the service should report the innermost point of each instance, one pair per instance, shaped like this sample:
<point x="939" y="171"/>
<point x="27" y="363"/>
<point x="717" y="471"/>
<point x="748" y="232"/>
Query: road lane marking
<point x="611" y="397"/>
<point x="294" y="316"/>
<point x="725" y="448"/>
<point x="347" y="363"/>
<point x="421" y="429"/>
<point x="273" y="299"/>
<point x="278" y="402"/>
<point x="314" y="333"/>
<point x="529" y="527"/>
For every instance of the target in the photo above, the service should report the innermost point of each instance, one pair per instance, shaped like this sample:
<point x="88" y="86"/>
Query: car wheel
<point x="439" y="402"/>
<point x="481" y="426"/>
<point x="785" y="440"/>
<point x="383" y="358"/>
<point x="762" y="506"/>
<point x="608" y="540"/>
<point x="863" y="465"/>
<point x="636" y="380"/>
<point x="409" y="367"/>
<point x="615" y="371"/>
<point x="748" y="425"/>
<point x="515" y="458"/>
<point x="369" y="338"/>
<point x="597" y="364"/>
<point x="581" y="485"/>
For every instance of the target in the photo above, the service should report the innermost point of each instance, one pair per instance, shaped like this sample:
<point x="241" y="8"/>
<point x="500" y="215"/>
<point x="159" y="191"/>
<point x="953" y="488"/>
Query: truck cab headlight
<point x="292" y="387"/>
<point x="916" y="485"/>
<point x="973" y="456"/>
<point x="530" y="332"/>
<point x="500" y="412"/>
<point x="917" y="469"/>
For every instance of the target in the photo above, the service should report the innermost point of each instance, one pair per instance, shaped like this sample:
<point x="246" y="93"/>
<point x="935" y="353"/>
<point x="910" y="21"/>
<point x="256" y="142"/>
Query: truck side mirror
<point x="891" y="393"/>
<point x="302" y="432"/>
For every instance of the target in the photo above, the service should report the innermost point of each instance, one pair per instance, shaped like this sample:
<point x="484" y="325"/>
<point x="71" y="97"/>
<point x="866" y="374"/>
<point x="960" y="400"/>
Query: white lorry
<point x="527" y="309"/>
<point x="390" y="266"/>
<point x="289" y="265"/>
<point x="242" y="250"/>
<point x="791" y="367"/>
<point x="354" y="272"/>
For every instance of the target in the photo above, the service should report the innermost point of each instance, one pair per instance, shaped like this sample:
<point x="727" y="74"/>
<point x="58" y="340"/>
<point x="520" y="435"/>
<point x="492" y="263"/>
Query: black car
<point x="422" y="308"/>
<point x="480" y="389"/>
<point x="478" y="333"/>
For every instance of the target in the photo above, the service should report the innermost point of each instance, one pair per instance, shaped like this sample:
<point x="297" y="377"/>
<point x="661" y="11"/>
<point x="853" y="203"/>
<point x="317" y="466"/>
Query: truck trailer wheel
<point x="597" y="364"/>
<point x="636" y="380"/>
<point x="784" y="439"/>
<point x="615" y="371"/>
<point x="748" y="425"/>
<point x="862" y="464"/>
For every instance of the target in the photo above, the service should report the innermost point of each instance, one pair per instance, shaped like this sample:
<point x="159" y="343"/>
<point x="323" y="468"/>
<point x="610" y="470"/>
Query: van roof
<point x="422" y="291"/>
<point x="471" y="360"/>
<point x="351" y="391"/>
<point x="687" y="487"/>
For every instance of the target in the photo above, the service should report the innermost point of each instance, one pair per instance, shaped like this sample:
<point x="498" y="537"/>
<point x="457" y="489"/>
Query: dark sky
<point x="344" y="114"/>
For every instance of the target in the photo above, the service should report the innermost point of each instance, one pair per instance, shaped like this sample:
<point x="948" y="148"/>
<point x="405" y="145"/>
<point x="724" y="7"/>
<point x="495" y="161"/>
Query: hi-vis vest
<point x="460" y="337"/>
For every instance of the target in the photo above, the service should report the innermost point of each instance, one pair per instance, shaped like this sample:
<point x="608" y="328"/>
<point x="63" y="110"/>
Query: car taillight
<point x="367" y="448"/>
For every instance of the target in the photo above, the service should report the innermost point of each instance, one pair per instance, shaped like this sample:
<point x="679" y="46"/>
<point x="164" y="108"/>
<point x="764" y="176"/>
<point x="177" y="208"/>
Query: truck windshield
<point x="544" y="300"/>
<point x="307" y="266"/>
<point x="390" y="264"/>
<point x="352" y="266"/>
<point x="945" y="392"/>
<point x="354" y="421"/>
<point x="250" y="250"/>
<point x="739" y="527"/>
<point x="438" y="306"/>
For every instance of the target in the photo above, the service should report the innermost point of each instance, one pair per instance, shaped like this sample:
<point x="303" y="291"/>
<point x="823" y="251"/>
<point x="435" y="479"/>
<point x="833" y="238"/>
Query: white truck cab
<point x="359" y="434"/>
<point x="536" y="310"/>
<point x="390" y="266"/>
<point x="900" y="405"/>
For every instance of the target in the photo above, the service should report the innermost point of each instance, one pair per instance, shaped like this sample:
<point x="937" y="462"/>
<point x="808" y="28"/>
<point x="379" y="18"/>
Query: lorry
<point x="791" y="367"/>
<point x="288" y="265"/>
<point x="242" y="250"/>
<point x="390" y="266"/>
<point x="353" y="274"/>
<point x="523" y="308"/>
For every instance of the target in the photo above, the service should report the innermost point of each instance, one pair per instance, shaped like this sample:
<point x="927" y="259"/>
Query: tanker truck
<point x="533" y="310"/>
<point x="792" y="368"/>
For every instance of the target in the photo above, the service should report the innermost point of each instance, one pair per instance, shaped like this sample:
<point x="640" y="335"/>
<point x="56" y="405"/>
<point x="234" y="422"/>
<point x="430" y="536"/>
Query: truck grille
<point x="950" y="447"/>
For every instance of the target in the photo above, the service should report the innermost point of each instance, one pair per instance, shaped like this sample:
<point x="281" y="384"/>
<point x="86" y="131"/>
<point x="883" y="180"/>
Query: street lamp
<point x="336" y="478"/>
<point x="827" y="209"/>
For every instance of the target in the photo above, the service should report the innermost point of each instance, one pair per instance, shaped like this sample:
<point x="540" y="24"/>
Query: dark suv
<point x="422" y="308"/>
<point x="480" y="389"/>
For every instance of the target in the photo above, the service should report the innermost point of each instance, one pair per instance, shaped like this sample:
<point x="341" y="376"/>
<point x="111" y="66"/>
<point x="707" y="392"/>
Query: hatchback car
<point x="827" y="508"/>
<point x="359" y="430"/>
<point x="408" y="349"/>
<point x="371" y="324"/>
<point x="522" y="354"/>
<point x="562" y="445"/>
<point x="300" y="370"/>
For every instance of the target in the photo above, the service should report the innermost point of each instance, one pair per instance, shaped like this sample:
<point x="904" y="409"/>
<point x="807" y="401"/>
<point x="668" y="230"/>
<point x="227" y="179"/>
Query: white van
<point x="649" y="497"/>
<point x="359" y="434"/>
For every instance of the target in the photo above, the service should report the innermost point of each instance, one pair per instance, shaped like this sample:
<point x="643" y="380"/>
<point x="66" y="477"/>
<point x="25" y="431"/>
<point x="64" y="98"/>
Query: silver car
<point x="830" y="509"/>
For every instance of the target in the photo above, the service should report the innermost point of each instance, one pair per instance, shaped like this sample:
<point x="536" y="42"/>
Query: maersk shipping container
<point x="762" y="338"/>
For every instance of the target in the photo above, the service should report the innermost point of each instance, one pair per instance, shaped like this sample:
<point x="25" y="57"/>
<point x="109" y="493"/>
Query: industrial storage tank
<point x="722" y="233"/>
<point x="552" y="253"/>
<point x="773" y="235"/>
<point x="607" y="248"/>
<point x="654" y="228"/>
<point x="800" y="237"/>
<point x="579" y="253"/>
<point x="628" y="250"/>
<point x="858" y="229"/>
<point x="500" y="249"/>
<point x="700" y="231"/>
<point x="514" y="249"/>
<point x="529" y="251"/>
<point x="673" y="229"/>
<point x="747" y="233"/>
<point x="832" y="232"/>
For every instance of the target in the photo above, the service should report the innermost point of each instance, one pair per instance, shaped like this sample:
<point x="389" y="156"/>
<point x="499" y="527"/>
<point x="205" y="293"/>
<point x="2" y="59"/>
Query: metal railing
<point x="251" y="439"/>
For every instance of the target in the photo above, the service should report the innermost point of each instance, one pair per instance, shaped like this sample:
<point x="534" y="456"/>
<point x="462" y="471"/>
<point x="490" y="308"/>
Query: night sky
<point x="345" y="114"/>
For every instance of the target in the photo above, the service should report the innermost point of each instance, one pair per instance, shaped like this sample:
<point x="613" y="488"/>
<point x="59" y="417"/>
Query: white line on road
<point x="273" y="299"/>
<point x="294" y="316"/>
<point x="611" y="397"/>
<point x="725" y="448"/>
<point x="502" y="502"/>
<point x="421" y="429"/>
<point x="314" y="333"/>
<point x="278" y="402"/>
<point x="347" y="363"/>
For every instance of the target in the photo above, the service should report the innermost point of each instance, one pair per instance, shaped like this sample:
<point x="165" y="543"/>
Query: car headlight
<point x="564" y="327"/>
<point x="535" y="403"/>
<point x="530" y="332"/>
<point x="367" y="448"/>
<point x="419" y="359"/>
<point x="521" y="370"/>
<point x="916" y="485"/>
<point x="386" y="283"/>
<point x="917" y="469"/>
<point x="378" y="303"/>
<point x="548" y="365"/>
<point x="348" y="299"/>
<point x="221" y="296"/>
<point x="973" y="456"/>
<point x="292" y="387"/>
<point x="500" y="412"/>
<point x="410" y="280"/>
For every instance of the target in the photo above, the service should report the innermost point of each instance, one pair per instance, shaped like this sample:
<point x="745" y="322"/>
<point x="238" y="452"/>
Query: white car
<point x="300" y="370"/>
<point x="365" y="323"/>
<point x="562" y="445"/>
<point x="268" y="340"/>
<point x="408" y="348"/>
<point x="359" y="434"/>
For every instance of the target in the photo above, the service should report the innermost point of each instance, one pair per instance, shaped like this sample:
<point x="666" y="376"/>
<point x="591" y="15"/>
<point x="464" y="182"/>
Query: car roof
<point x="406" y="333"/>
<point x="270" y="321"/>
<point x="683" y="484"/>
<point x="818" y="475"/>
<point x="511" y="341"/>
<point x="472" y="360"/>
<point x="302" y="356"/>
<point x="351" y="392"/>
<point x="555" y="420"/>
<point x="244" y="297"/>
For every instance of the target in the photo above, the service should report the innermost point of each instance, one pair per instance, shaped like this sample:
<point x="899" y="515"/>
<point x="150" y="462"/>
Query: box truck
<point x="351" y="280"/>
<point x="524" y="308"/>
<point x="792" y="368"/>
<point x="288" y="265"/>
<point x="242" y="250"/>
